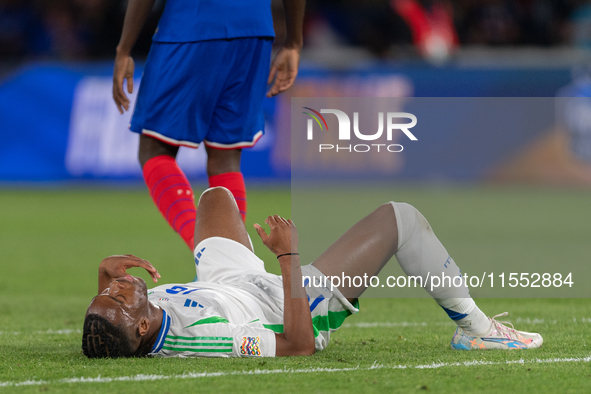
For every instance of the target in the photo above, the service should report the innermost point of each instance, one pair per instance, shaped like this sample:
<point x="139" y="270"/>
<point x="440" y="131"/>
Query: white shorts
<point x="222" y="260"/>
<point x="219" y="259"/>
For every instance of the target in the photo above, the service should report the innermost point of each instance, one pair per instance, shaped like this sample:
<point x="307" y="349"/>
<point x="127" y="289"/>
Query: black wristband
<point x="287" y="254"/>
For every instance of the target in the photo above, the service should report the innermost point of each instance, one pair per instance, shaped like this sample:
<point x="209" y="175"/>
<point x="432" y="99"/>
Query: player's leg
<point x="238" y="121"/>
<point x="168" y="186"/>
<point x="150" y="148"/>
<point x="223" y="169"/>
<point x="400" y="229"/>
<point x="396" y="229"/>
<point x="218" y="216"/>
<point x="169" y="114"/>
<point x="363" y="250"/>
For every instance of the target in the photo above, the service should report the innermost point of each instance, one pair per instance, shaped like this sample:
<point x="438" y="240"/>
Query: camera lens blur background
<point x="58" y="121"/>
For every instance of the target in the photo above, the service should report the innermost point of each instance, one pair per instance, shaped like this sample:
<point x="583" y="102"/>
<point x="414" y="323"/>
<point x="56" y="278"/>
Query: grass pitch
<point x="51" y="242"/>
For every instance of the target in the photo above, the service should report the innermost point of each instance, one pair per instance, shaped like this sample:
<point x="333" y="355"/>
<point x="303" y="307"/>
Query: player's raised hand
<point x="123" y="70"/>
<point x="283" y="237"/>
<point x="116" y="266"/>
<point x="284" y="70"/>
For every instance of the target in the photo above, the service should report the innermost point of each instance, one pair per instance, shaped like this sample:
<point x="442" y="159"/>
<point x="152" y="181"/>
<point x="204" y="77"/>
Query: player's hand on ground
<point x="284" y="70"/>
<point x="124" y="68"/>
<point x="283" y="237"/>
<point x="116" y="266"/>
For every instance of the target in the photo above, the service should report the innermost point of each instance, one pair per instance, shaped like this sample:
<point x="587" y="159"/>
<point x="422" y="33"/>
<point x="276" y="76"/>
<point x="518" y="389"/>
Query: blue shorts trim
<point x="206" y="91"/>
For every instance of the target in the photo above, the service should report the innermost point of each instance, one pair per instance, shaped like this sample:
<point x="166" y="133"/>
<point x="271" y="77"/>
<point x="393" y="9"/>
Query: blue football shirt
<point x="199" y="20"/>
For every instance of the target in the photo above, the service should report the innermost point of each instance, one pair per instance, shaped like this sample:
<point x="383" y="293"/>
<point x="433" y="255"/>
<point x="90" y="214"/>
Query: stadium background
<point x="71" y="190"/>
<point x="57" y="122"/>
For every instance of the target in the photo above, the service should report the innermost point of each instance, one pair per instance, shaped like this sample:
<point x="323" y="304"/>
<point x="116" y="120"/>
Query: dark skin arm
<point x="298" y="335"/>
<point x="135" y="17"/>
<point x="114" y="267"/>
<point x="284" y="68"/>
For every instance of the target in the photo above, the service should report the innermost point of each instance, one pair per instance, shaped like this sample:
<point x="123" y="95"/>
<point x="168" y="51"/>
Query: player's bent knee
<point x="404" y="210"/>
<point x="217" y="193"/>
<point x="409" y="221"/>
<point x="218" y="189"/>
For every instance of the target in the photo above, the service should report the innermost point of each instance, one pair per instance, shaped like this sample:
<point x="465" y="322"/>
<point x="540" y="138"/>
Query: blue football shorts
<point x="210" y="91"/>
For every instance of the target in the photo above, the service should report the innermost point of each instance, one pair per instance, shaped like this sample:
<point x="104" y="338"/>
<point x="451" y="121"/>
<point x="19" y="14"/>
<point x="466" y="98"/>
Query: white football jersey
<point x="235" y="307"/>
<point x="215" y="320"/>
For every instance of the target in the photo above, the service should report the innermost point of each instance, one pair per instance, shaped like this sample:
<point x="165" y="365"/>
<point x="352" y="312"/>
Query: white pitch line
<point x="519" y="320"/>
<point x="197" y="375"/>
<point x="64" y="331"/>
<point x="395" y="324"/>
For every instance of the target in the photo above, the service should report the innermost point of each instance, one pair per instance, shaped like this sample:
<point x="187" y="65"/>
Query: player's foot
<point x="500" y="337"/>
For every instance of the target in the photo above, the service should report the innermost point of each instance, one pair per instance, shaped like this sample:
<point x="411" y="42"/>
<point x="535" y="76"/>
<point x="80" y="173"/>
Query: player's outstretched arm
<point x="284" y="67"/>
<point x="135" y="17"/>
<point x="298" y="334"/>
<point x="116" y="266"/>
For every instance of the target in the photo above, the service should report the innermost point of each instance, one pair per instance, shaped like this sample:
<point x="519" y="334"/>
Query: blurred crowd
<point x="66" y="29"/>
<point x="435" y="28"/>
<point x="90" y="29"/>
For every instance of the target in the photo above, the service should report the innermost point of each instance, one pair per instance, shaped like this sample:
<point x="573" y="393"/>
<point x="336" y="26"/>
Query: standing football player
<point x="204" y="81"/>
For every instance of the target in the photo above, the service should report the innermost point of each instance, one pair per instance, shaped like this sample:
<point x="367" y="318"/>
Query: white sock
<point x="466" y="314"/>
<point x="421" y="254"/>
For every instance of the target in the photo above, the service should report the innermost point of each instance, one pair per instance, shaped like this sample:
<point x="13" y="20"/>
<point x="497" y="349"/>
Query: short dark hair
<point x="103" y="339"/>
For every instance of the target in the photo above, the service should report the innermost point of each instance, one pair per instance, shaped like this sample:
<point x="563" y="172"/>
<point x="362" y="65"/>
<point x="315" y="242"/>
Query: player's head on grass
<point x="102" y="339"/>
<point x="117" y="319"/>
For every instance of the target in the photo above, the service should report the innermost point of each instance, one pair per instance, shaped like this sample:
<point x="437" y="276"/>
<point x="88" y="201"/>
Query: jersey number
<point x="178" y="289"/>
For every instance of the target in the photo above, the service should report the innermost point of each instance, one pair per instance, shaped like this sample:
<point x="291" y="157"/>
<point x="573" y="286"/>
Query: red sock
<point x="172" y="193"/>
<point x="233" y="181"/>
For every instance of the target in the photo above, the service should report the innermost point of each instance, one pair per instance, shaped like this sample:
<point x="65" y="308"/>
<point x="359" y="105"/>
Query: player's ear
<point x="143" y="326"/>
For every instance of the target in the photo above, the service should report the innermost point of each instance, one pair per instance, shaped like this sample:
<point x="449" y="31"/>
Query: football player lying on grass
<point x="235" y="308"/>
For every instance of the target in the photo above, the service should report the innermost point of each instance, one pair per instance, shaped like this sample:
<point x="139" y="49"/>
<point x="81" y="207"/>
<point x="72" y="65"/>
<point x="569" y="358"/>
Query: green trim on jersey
<point x="200" y="338"/>
<point x="278" y="328"/>
<point x="180" y="349"/>
<point x="199" y="344"/>
<point x="209" y="320"/>
<point x="332" y="321"/>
